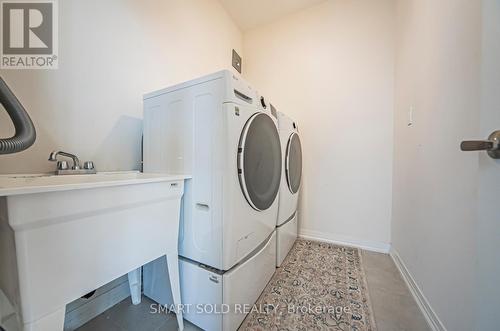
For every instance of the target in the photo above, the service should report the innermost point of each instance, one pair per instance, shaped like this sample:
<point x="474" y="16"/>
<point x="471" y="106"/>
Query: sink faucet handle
<point x="88" y="165"/>
<point x="62" y="165"/>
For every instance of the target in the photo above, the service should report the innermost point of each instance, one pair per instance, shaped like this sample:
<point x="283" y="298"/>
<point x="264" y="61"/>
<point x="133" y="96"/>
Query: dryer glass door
<point x="293" y="163"/>
<point x="259" y="161"/>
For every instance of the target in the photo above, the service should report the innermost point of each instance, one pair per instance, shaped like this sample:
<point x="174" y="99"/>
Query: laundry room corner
<point x="336" y="79"/>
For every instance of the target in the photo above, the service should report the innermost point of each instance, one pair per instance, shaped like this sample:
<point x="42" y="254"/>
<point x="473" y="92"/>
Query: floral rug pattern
<point x="319" y="286"/>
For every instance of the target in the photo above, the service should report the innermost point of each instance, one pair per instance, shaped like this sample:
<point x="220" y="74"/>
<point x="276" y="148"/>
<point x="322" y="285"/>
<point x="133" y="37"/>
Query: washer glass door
<point x="293" y="163"/>
<point x="259" y="161"/>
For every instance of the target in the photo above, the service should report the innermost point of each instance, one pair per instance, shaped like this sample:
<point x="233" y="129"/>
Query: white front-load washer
<point x="218" y="130"/>
<point x="286" y="225"/>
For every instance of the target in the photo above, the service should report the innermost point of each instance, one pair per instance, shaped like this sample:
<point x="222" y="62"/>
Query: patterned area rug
<point x="320" y="286"/>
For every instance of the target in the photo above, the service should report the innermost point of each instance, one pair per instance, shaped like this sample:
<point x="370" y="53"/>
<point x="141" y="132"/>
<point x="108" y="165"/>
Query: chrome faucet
<point x="62" y="166"/>
<point x="76" y="161"/>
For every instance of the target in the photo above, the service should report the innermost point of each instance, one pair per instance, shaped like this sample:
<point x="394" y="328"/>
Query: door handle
<point x="491" y="146"/>
<point x="477" y="145"/>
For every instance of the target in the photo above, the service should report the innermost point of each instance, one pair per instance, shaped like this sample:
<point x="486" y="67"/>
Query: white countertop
<point x="17" y="184"/>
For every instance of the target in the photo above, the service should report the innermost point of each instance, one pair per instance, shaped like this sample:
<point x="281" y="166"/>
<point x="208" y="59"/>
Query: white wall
<point x="111" y="52"/>
<point x="435" y="184"/>
<point x="330" y="67"/>
<point x="488" y="234"/>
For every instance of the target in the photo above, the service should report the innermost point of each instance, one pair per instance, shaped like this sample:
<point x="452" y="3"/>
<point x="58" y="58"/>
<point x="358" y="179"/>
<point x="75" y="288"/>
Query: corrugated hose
<point x="25" y="134"/>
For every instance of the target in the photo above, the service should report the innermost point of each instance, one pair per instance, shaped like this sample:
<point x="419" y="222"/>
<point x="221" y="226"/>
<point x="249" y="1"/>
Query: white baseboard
<point x="373" y="246"/>
<point x="430" y="315"/>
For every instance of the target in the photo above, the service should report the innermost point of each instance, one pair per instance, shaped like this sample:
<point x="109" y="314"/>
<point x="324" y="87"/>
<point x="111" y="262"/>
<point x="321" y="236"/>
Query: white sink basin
<point x="37" y="183"/>
<point x="64" y="236"/>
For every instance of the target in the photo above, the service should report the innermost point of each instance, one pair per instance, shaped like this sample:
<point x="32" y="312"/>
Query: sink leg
<point x="53" y="321"/>
<point x="134" y="282"/>
<point x="173" y="273"/>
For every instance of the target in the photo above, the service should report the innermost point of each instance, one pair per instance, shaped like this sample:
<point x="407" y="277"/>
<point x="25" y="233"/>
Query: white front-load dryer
<point x="286" y="225"/>
<point x="215" y="129"/>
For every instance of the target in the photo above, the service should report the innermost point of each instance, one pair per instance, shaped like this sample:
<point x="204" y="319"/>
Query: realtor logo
<point x="29" y="34"/>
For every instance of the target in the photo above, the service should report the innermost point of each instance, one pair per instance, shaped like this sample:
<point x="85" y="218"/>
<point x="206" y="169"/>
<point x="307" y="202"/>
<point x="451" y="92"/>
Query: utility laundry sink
<point x="64" y="236"/>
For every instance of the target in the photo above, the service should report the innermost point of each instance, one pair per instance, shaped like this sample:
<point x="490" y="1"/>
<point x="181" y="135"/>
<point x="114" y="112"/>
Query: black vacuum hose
<point x="25" y="134"/>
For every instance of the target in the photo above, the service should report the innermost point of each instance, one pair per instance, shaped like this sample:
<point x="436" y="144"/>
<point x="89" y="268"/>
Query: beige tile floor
<point x="392" y="303"/>
<point x="393" y="306"/>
